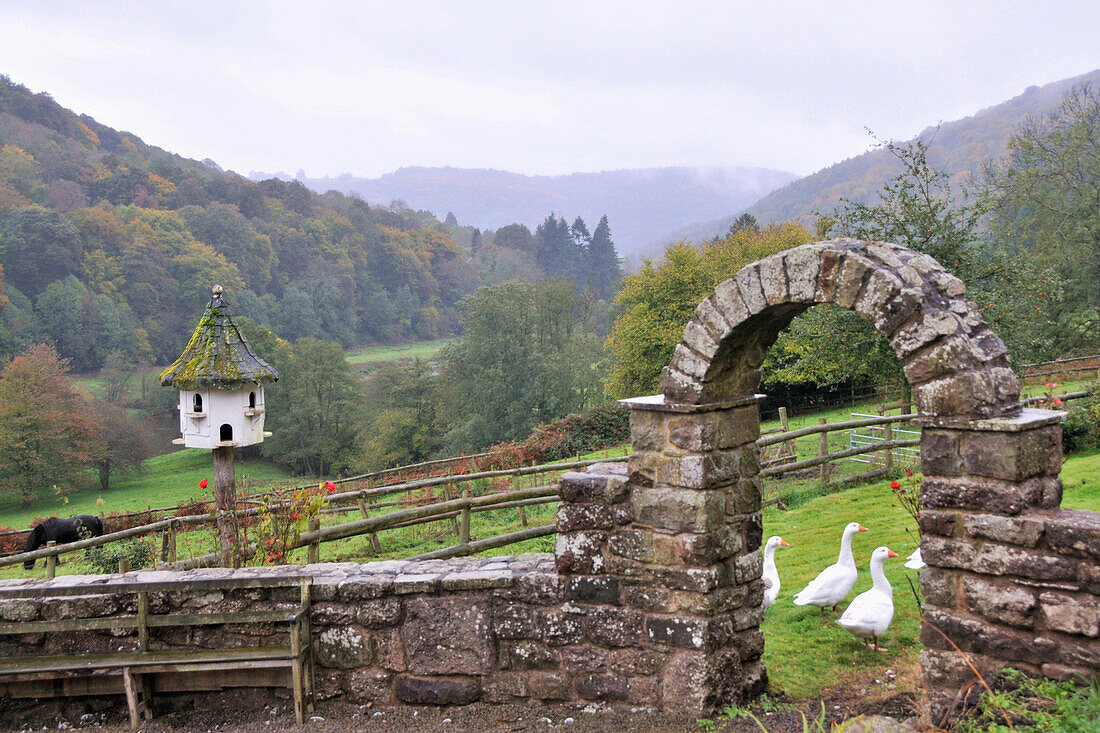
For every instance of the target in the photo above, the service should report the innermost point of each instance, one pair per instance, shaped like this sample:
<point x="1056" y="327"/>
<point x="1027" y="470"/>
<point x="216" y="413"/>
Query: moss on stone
<point x="217" y="355"/>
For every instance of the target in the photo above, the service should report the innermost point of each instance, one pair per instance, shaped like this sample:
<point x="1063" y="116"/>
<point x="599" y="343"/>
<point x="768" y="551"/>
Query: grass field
<point x="371" y="355"/>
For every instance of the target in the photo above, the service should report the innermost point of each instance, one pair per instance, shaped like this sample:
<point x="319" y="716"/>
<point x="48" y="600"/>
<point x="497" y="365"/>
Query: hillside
<point x="637" y="202"/>
<point x="109" y="246"/>
<point x="959" y="147"/>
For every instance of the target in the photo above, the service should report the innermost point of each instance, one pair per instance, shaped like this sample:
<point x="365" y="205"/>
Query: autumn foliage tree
<point x="49" y="435"/>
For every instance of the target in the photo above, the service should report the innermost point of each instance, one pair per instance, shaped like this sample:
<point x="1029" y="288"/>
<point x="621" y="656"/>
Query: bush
<point x="1079" y="431"/>
<point x="105" y="557"/>
<point x="598" y="428"/>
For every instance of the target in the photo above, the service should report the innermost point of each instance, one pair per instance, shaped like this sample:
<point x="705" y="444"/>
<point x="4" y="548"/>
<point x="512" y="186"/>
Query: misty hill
<point x="638" y="203"/>
<point x="959" y="147"/>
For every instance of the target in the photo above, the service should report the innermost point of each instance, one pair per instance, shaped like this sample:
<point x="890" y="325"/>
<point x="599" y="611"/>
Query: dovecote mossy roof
<point x="217" y="355"/>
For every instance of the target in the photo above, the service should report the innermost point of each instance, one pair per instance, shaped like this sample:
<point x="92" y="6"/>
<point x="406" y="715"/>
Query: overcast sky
<point x="537" y="87"/>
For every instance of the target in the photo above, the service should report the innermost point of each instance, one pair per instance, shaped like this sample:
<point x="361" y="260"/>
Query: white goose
<point x="870" y="613"/>
<point x="771" y="575"/>
<point x="915" y="561"/>
<point x="833" y="584"/>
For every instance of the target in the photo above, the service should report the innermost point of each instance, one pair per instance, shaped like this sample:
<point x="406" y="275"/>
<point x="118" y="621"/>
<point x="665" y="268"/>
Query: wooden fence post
<point x="173" y="528"/>
<point x="464" y="525"/>
<point x="823" y="450"/>
<point x="123" y="565"/>
<point x="51" y="562"/>
<point x="451" y="492"/>
<point x="375" y="543"/>
<point x="313" y="552"/>
<point x="888" y="457"/>
<point x="522" y="510"/>
<point x="784" y="427"/>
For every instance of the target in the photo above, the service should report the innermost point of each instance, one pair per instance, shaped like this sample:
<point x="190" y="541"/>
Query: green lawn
<point x="168" y="480"/>
<point x="371" y="355"/>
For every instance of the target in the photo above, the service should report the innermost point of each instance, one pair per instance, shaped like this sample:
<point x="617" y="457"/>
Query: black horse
<point x="61" y="531"/>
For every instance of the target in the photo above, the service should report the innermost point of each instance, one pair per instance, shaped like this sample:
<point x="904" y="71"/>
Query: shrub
<point x="105" y="557"/>
<point x="1079" y="431"/>
<point x="573" y="435"/>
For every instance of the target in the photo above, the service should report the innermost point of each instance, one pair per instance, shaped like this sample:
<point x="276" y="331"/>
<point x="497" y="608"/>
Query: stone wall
<point x="1013" y="580"/>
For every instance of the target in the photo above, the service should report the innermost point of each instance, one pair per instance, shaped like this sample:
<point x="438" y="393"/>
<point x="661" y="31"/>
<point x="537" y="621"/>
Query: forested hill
<point x="639" y="203"/>
<point x="110" y="245"/>
<point x="959" y="147"/>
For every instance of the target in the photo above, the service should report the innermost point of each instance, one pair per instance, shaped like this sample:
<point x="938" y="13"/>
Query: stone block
<point x="643" y="545"/>
<point x="744" y="498"/>
<point x="752" y="291"/>
<point x="983" y="494"/>
<point x="899" y="310"/>
<point x="19" y="609"/>
<point x="603" y="687"/>
<point x="710" y="315"/>
<point x="699" y="340"/>
<point x="375" y="585"/>
<point x="746" y="618"/>
<point x="580" y="552"/>
<point x="713" y="469"/>
<point x="342" y="647"/>
<point x="828" y="275"/>
<point x="714" y="430"/>
<point x="537" y="587"/>
<point x="331" y="614"/>
<point x="699" y="580"/>
<point x="377" y="613"/>
<point x="573" y="517"/>
<point x="561" y="627"/>
<point x="709" y="547"/>
<point x="549" y="686"/>
<point x="579" y="660"/>
<point x="447" y="635"/>
<point x="849" y="284"/>
<point x="678" y="509"/>
<point x="802" y="265"/>
<point x="476" y="579"/>
<point x="688" y="633"/>
<point x="613" y="627"/>
<point x="939" y="453"/>
<point x="880" y="288"/>
<point x="947" y="356"/>
<point x="973" y="634"/>
<point x="647" y="433"/>
<point x="516" y="621"/>
<point x="592" y="589"/>
<point x="504" y="687"/>
<point x="939" y="587"/>
<point x="369" y="685"/>
<point x="1019" y="530"/>
<point x="1071" y="613"/>
<point x="969" y="393"/>
<point x="1013" y="456"/>
<point x="1074" y="532"/>
<point x="728" y="300"/>
<point x="931" y="326"/>
<point x="680" y="387"/>
<point x="590" y="487"/>
<point x="527" y="654"/>
<point x="935" y="522"/>
<point x="452" y="690"/>
<point x="648" y="598"/>
<point x="416" y="583"/>
<point x="748" y="567"/>
<point x="773" y="279"/>
<point x="1000" y="600"/>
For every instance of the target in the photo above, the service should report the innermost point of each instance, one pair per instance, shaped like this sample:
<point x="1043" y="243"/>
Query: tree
<point x="39" y="246"/>
<point x="1045" y="197"/>
<point x="605" y="269"/>
<point x="658" y="301"/>
<point x="315" y="409"/>
<point x="475" y="242"/>
<point x="520" y="363"/>
<point x="745" y="221"/>
<point x="514" y="236"/>
<point x="126" y="445"/>
<point x="49" y="435"/>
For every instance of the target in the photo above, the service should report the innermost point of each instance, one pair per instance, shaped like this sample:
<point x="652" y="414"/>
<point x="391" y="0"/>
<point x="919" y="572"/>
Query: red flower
<point x="895" y="485"/>
<point x="294" y="515"/>
<point x="330" y="487"/>
<point x="203" y="484"/>
<point x="908" y="472"/>
<point x="1057" y="401"/>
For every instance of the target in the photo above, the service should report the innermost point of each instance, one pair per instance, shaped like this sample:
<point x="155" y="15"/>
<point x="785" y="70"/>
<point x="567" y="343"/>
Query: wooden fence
<point x="786" y="458"/>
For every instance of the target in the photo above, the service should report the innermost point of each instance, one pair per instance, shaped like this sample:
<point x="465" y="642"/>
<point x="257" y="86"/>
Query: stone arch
<point x="673" y="546"/>
<point x="954" y="362"/>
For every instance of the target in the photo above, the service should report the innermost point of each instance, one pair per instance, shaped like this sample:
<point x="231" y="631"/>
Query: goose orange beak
<point x="784" y="543"/>
<point x="891" y="553"/>
<point x="862" y="528"/>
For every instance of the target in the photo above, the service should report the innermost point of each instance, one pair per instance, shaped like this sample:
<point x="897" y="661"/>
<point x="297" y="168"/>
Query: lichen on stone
<point x="217" y="355"/>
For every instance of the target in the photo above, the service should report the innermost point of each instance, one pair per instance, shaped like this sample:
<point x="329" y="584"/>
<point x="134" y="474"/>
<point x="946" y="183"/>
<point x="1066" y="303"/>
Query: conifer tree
<point x="605" y="267"/>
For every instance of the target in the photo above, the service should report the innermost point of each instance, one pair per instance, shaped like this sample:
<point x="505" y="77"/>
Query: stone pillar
<point x="689" y="559"/>
<point x="989" y="486"/>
